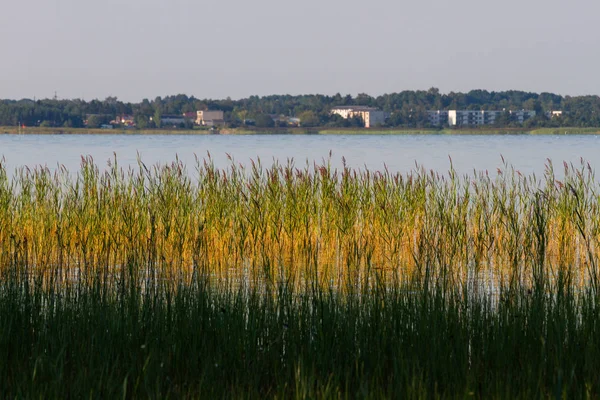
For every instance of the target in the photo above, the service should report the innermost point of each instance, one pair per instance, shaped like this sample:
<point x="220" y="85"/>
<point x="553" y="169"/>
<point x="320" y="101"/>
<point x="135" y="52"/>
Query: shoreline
<point x="14" y="130"/>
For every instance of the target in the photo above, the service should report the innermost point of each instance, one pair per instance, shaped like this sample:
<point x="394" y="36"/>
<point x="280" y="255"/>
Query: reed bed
<point x="298" y="281"/>
<point x="339" y="227"/>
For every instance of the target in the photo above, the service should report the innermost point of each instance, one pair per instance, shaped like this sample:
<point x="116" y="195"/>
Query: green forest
<point x="406" y="109"/>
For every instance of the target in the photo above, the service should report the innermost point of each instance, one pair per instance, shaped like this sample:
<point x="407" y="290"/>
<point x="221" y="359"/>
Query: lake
<point x="526" y="153"/>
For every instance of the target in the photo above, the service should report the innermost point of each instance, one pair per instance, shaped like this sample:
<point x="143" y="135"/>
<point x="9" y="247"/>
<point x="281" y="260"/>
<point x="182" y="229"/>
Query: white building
<point x="209" y="117"/>
<point x="474" y="117"/>
<point x="371" y="116"/>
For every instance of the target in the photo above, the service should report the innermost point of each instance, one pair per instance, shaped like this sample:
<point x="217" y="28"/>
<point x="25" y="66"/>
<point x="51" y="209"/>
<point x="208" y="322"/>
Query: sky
<point x="135" y="49"/>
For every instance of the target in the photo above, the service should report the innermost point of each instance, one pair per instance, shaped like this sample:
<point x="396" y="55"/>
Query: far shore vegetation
<point x="405" y="112"/>
<point x="34" y="130"/>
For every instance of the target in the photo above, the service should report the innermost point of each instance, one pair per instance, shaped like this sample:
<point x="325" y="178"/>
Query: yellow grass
<point x="303" y="223"/>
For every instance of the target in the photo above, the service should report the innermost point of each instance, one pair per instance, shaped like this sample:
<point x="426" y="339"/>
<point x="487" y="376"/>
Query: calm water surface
<point x="398" y="152"/>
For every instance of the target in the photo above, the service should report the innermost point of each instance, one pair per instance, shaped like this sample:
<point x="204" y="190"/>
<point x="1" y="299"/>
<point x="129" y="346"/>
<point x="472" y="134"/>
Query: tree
<point x="264" y="121"/>
<point x="533" y="104"/>
<point x="96" y="120"/>
<point x="364" y="99"/>
<point x="334" y="120"/>
<point x="503" y="119"/>
<point x="111" y="100"/>
<point x="157" y="118"/>
<point x="141" y="121"/>
<point x="355" y="122"/>
<point x="308" y="119"/>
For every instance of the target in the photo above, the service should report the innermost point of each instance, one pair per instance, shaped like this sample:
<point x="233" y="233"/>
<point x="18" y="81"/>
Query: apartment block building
<point x="522" y="115"/>
<point x="437" y="117"/>
<point x="370" y="115"/>
<point x="474" y="117"/>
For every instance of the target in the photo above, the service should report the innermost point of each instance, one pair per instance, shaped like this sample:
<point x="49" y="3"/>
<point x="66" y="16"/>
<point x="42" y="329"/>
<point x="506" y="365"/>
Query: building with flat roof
<point x="209" y="117"/>
<point x="437" y="117"/>
<point x="522" y="115"/>
<point x="474" y="117"/>
<point x="370" y="115"/>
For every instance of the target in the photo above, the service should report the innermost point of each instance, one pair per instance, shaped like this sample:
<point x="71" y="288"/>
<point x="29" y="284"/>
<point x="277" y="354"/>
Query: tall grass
<point x="297" y="281"/>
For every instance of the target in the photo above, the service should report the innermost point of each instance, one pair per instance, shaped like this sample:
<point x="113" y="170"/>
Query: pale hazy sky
<point x="134" y="49"/>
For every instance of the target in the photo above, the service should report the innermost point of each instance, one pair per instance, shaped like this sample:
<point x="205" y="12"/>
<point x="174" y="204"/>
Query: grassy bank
<point x="566" y="131"/>
<point x="303" y="131"/>
<point x="36" y="130"/>
<point x="446" y="131"/>
<point x="298" y="282"/>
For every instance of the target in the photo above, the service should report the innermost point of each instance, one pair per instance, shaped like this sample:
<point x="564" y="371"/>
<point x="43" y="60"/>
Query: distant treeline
<point x="406" y="109"/>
